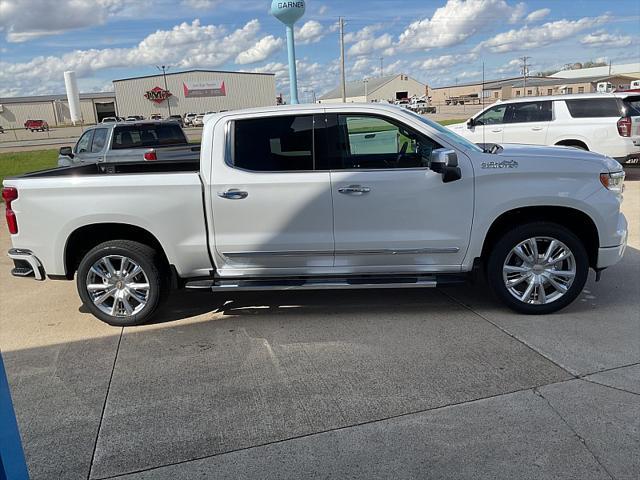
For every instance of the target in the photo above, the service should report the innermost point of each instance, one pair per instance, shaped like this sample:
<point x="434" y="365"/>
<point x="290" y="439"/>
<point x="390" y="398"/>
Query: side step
<point x="324" y="283"/>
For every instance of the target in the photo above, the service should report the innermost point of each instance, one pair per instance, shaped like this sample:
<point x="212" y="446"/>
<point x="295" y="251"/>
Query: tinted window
<point x="274" y="144"/>
<point x="148" y="135"/>
<point x="99" y="139"/>
<point x="632" y="106"/>
<point x="371" y="142"/>
<point x="84" y="144"/>
<point x="493" y="116"/>
<point x="593" y="107"/>
<point x="528" y="112"/>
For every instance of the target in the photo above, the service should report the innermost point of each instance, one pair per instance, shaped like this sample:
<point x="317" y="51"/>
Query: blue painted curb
<point x="12" y="463"/>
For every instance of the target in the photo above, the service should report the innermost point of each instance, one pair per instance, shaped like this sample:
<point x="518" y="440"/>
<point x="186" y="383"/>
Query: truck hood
<point x="555" y="153"/>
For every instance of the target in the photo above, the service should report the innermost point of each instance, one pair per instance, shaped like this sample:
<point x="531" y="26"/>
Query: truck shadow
<point x="610" y="292"/>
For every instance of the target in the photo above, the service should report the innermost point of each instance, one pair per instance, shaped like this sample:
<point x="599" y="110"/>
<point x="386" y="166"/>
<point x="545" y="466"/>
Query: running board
<point x="325" y="283"/>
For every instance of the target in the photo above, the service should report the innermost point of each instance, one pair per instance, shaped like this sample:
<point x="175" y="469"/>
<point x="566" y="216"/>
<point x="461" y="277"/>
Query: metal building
<point x="54" y="109"/>
<point x="196" y="91"/>
<point x="389" y="88"/>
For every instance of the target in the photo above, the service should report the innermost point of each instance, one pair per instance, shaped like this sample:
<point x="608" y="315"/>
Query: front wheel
<point x="122" y="282"/>
<point x="538" y="268"/>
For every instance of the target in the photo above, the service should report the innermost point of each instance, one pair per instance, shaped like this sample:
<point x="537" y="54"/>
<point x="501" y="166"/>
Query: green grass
<point x="17" y="163"/>
<point x="454" y="120"/>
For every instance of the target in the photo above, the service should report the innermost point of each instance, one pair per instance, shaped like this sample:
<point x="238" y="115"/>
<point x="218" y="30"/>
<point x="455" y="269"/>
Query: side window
<point x="370" y="142"/>
<point x="528" y="112"/>
<point x="594" y="107"/>
<point x="493" y="116"/>
<point x="99" y="139"/>
<point x="274" y="144"/>
<point x="84" y="144"/>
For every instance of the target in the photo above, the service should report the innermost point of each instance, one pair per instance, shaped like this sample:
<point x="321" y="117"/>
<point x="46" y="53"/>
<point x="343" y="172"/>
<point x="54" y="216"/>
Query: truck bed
<point x="115" y="168"/>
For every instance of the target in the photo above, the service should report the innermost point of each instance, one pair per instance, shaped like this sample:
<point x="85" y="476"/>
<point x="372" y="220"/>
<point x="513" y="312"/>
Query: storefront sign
<point x="157" y="95"/>
<point x="204" y="89"/>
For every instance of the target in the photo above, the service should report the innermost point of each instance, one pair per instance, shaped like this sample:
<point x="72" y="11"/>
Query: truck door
<point x="488" y="126"/>
<point x="391" y="212"/>
<point x="527" y="122"/>
<point x="272" y="208"/>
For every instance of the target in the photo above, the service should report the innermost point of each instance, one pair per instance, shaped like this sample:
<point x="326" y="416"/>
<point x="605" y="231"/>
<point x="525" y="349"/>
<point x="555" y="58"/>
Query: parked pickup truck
<point x="126" y="142"/>
<point x="295" y="198"/>
<point x="36" y="125"/>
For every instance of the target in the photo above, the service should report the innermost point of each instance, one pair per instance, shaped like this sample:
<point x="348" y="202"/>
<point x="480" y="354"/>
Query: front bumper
<point x="608" y="256"/>
<point x="26" y="264"/>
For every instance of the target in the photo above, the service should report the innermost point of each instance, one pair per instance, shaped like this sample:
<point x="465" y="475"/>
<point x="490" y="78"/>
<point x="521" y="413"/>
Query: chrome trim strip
<point x="388" y="251"/>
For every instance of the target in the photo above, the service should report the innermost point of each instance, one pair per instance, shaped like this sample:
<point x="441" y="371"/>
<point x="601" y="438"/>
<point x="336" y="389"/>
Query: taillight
<point x="150" y="155"/>
<point x="9" y="194"/>
<point x="624" y="127"/>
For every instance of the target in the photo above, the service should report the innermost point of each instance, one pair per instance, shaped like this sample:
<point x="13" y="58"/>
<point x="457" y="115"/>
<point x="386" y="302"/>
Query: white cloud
<point x="444" y="61"/>
<point x="23" y="20"/>
<point x="455" y="22"/>
<point x="200" y="4"/>
<point x="323" y="9"/>
<point x="310" y="32"/>
<point x="537" y="15"/>
<point x="187" y="45"/>
<point x="517" y="13"/>
<point x="605" y="39"/>
<point x="512" y="66"/>
<point x="262" y="50"/>
<point x="365" y="47"/>
<point x="533" y="37"/>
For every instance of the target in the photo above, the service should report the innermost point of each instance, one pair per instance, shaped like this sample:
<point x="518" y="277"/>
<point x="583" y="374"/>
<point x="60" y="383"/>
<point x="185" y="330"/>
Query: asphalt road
<point x="396" y="384"/>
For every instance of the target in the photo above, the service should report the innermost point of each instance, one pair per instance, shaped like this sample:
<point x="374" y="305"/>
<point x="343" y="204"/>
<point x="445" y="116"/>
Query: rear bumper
<point x="26" y="264"/>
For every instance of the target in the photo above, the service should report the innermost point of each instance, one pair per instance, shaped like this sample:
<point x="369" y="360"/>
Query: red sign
<point x="157" y="95"/>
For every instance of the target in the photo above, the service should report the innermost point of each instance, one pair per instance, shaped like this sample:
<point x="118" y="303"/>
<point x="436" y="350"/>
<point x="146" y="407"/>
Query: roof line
<point x="192" y="71"/>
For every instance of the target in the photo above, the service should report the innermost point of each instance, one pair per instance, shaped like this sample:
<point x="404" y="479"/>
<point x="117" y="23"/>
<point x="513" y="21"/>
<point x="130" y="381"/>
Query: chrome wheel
<point x="118" y="286"/>
<point x="539" y="270"/>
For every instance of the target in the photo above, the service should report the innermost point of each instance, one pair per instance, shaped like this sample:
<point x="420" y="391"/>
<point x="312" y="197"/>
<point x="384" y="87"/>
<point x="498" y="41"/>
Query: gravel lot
<point x="374" y="384"/>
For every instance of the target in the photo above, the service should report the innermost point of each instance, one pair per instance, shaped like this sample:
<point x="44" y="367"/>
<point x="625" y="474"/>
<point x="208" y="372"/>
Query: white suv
<point x="607" y="123"/>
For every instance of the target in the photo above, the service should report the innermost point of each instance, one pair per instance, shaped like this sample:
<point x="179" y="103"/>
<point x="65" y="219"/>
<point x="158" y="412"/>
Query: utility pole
<point x="164" y="69"/>
<point x="525" y="72"/>
<point x="366" y="90"/>
<point x="381" y="67"/>
<point x="343" y="81"/>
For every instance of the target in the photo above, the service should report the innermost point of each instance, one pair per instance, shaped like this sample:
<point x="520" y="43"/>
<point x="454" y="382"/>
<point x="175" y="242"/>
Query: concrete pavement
<point x="394" y="384"/>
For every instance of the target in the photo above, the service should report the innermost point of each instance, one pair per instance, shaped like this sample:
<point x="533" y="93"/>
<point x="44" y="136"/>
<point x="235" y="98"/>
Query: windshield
<point x="449" y="134"/>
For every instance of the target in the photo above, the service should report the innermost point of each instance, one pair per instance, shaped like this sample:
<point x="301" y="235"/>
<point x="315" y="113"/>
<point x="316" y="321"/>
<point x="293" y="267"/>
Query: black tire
<point x="510" y="240"/>
<point x="152" y="266"/>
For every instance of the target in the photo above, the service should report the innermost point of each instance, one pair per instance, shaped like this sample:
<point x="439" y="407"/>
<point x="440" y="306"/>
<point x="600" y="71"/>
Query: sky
<point x="438" y="42"/>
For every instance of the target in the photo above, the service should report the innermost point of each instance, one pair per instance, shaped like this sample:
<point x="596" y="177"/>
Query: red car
<point x="34" y="125"/>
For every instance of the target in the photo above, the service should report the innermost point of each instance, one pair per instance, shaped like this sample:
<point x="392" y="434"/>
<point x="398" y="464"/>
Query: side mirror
<point x="471" y="123"/>
<point x="66" y="152"/>
<point x="445" y="161"/>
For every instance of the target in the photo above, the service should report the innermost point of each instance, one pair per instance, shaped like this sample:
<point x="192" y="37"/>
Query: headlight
<point x="613" y="181"/>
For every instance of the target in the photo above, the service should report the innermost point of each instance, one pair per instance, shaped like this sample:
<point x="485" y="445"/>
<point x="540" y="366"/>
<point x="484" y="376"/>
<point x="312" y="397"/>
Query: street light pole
<point x="164" y="69"/>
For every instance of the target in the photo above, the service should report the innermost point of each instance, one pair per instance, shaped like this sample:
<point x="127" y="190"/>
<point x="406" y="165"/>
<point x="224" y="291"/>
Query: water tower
<point x="289" y="13"/>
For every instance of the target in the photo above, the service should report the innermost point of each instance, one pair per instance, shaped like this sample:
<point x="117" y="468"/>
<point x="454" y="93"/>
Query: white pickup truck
<point x="322" y="197"/>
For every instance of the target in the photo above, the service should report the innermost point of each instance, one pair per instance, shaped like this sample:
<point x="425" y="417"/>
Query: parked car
<point x="155" y="116"/>
<point x="198" y="120"/>
<point x="176" y="118"/>
<point x="36" y="125"/>
<point x="134" y="118"/>
<point x="188" y="119"/>
<point x="607" y="123"/>
<point x="309" y="197"/>
<point x="1" y="129"/>
<point x="128" y="142"/>
<point x="112" y="119"/>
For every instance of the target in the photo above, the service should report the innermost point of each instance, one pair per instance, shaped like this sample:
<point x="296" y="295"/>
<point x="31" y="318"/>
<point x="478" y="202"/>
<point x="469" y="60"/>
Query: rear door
<point x="391" y="212"/>
<point x="272" y="207"/>
<point x="527" y="122"/>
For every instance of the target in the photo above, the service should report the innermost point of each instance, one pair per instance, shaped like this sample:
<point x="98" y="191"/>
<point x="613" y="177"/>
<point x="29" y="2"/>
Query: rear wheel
<point x="538" y="268"/>
<point x="122" y="282"/>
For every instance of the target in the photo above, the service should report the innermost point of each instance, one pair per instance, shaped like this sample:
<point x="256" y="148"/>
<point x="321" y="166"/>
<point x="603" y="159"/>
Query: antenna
<point x="342" y="75"/>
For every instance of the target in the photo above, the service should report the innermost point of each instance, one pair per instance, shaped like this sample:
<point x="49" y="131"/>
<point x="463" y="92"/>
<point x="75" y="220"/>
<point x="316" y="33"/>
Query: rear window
<point x="148" y="135"/>
<point x="594" y="107"/>
<point x="632" y="106"/>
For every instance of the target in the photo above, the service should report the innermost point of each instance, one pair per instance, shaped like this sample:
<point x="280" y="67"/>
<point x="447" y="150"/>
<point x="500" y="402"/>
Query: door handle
<point x="497" y="130"/>
<point x="536" y="129"/>
<point x="233" y="194"/>
<point x="354" y="190"/>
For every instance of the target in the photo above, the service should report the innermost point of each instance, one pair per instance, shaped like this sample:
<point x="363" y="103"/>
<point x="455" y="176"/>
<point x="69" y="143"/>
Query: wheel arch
<point x="86" y="237"/>
<point x="573" y="142"/>
<point x="578" y="222"/>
